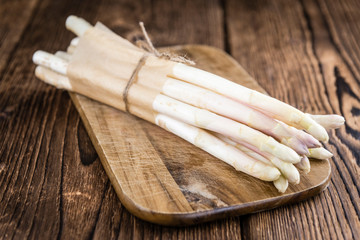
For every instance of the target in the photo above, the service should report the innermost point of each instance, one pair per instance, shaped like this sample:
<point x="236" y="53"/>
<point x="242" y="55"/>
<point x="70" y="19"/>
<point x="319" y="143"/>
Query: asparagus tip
<point x="331" y="121"/>
<point x="281" y="184"/>
<point x="294" y="177"/>
<point x="320" y="153"/>
<point x="296" y="144"/>
<point x="294" y="157"/>
<point x="318" y="132"/>
<point x="314" y="143"/>
<point x="303" y="150"/>
<point x="304" y="165"/>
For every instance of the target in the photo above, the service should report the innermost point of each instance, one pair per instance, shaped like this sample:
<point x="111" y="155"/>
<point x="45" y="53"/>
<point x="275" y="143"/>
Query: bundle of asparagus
<point x="252" y="132"/>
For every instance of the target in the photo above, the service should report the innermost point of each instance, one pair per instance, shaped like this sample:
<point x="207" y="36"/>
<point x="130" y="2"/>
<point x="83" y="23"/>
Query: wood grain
<point x="11" y="28"/>
<point x="303" y="49"/>
<point x="28" y="110"/>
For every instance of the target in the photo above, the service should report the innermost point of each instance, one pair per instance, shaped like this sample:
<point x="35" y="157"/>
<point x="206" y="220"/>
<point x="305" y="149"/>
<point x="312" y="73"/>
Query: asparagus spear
<point x="198" y="137"/>
<point x="281" y="184"/>
<point x="331" y="121"/>
<point x="53" y="78"/>
<point x="224" y="106"/>
<point x="319" y="153"/>
<point x="50" y="61"/>
<point x="306" y="138"/>
<point x="195" y="116"/>
<point x="77" y="25"/>
<point x="218" y="148"/>
<point x="271" y="106"/>
<point x="304" y="164"/>
<point x="75" y="41"/>
<point x="228" y="100"/>
<point x="63" y="55"/>
<point x="211" y="121"/>
<point x="62" y="82"/>
<point x="287" y="169"/>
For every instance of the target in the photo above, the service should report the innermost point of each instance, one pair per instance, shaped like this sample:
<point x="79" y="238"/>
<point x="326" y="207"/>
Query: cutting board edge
<point x="186" y="219"/>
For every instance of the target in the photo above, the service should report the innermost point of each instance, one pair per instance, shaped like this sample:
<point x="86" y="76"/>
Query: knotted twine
<point x="150" y="51"/>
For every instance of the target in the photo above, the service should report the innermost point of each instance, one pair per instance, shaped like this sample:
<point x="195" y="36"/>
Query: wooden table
<point x="52" y="185"/>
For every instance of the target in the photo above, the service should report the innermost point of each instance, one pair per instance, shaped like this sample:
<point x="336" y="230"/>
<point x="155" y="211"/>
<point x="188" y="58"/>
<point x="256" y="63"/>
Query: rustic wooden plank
<point x="167" y="22"/>
<point x="340" y="70"/>
<point x="27" y="104"/>
<point x="38" y="175"/>
<point x="341" y="20"/>
<point x="288" y="43"/>
<point x="11" y="27"/>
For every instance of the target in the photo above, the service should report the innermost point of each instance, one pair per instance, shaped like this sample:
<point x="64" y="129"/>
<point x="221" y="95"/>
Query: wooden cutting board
<point x="163" y="179"/>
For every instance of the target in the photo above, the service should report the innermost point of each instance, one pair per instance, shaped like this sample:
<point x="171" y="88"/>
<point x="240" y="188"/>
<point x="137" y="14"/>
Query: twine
<point x="132" y="79"/>
<point x="149" y="47"/>
<point x="151" y="50"/>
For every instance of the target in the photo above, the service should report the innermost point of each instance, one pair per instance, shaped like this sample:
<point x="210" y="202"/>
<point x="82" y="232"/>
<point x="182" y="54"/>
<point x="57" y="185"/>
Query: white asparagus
<point x="71" y="49"/>
<point x="53" y="78"/>
<point x="304" y="164"/>
<point x="319" y="153"/>
<point x="218" y="148"/>
<point x="281" y="184"/>
<point x="331" y="121"/>
<point x="195" y="116"/>
<point x="50" y="61"/>
<point x="288" y="170"/>
<point x="198" y="137"/>
<point x="200" y="100"/>
<point x="306" y="138"/>
<point x="75" y="41"/>
<point x="276" y="108"/>
<point x="244" y="149"/>
<point x="206" y="99"/>
<point x="73" y="44"/>
<point x="63" y="55"/>
<point x="63" y="82"/>
<point x="213" y="122"/>
<point x="272" y="106"/>
<point x="77" y="25"/>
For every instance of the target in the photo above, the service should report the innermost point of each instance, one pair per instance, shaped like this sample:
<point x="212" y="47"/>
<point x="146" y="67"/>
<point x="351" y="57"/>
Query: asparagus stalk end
<point x="77" y="25"/>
